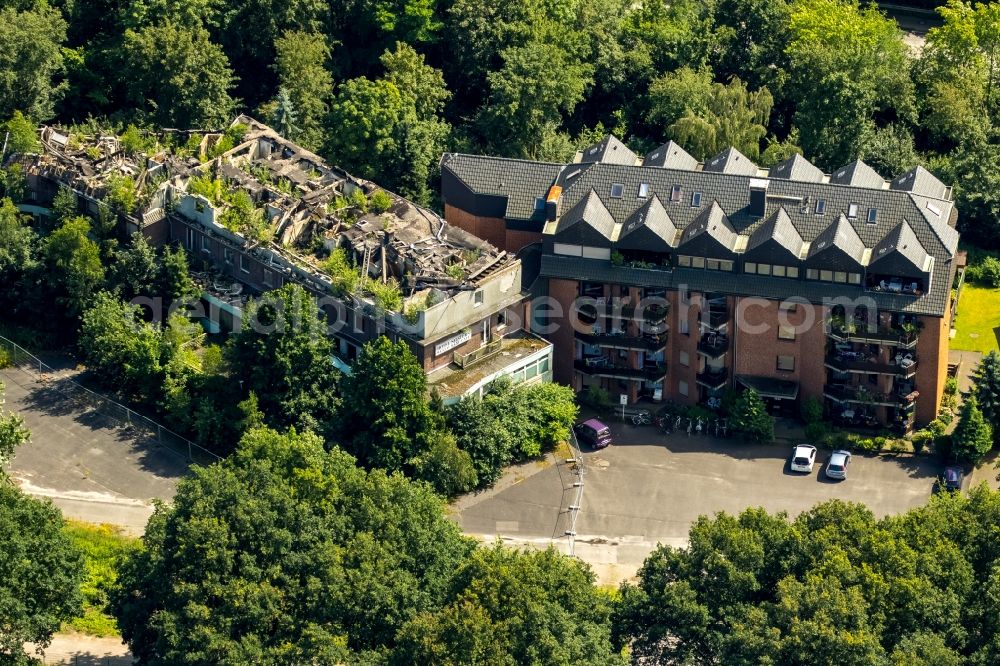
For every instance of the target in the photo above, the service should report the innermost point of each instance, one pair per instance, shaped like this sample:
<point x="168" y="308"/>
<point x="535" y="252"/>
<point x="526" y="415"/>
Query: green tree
<point x="483" y="435"/>
<point x="30" y="60"/>
<point x="136" y="268"/>
<point x="890" y="150"/>
<point x="529" y="97"/>
<point x="749" y="417"/>
<point x="387" y="421"/>
<point x="40" y="573"/>
<point x="446" y="467"/>
<point x="514" y="607"/>
<point x="421" y="83"/>
<point x="21" y="134"/>
<point x="752" y="35"/>
<point x="174" y="279"/>
<point x="17" y="242"/>
<point x="845" y="66"/>
<point x="302" y="69"/>
<point x="973" y="438"/>
<point x="986" y="389"/>
<point x="12" y="434"/>
<point x="64" y="207"/>
<point x="284" y="354"/>
<point x="178" y="77"/>
<point x="285" y="553"/>
<point x="73" y="266"/>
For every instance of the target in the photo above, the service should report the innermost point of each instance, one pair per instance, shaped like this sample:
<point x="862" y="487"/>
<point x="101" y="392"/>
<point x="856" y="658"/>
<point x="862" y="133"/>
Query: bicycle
<point x="698" y="427"/>
<point x="642" y="418"/>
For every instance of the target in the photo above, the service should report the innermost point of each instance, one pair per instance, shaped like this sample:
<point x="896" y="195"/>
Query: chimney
<point x="758" y="196"/>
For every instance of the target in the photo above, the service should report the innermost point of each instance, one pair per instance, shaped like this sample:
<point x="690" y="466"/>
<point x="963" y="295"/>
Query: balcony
<point x="713" y="378"/>
<point x="473" y="357"/>
<point x="713" y="345"/>
<point x="863" y="396"/>
<point x="603" y="367"/>
<point x="621" y="341"/>
<point x="856" y="362"/>
<point x="652" y="314"/>
<point x="898" y="336"/>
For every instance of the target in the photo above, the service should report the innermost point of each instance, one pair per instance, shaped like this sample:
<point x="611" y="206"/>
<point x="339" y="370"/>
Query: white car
<point x="836" y="467"/>
<point x="803" y="458"/>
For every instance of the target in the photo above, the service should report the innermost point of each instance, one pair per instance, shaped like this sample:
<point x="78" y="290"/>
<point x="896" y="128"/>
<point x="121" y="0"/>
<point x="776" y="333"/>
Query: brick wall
<point x="562" y="335"/>
<point x="492" y="229"/>
<point x="678" y="343"/>
<point x="932" y="369"/>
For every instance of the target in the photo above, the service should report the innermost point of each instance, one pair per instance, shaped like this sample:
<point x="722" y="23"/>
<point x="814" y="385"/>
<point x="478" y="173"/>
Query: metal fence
<point x="86" y="399"/>
<point x="87" y="660"/>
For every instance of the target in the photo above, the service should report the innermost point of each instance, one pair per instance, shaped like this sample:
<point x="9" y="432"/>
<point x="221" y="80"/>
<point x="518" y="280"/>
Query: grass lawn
<point x="978" y="315"/>
<point x="103" y="546"/>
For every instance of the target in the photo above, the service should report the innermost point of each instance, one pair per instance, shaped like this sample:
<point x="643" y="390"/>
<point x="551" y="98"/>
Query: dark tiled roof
<point x="670" y="156"/>
<point x="712" y="224"/>
<point x="648" y="228"/>
<point x="732" y="161"/>
<point x="840" y="235"/>
<point x="520" y="181"/>
<point x="796" y="167"/>
<point x="920" y="181"/>
<point x="857" y="174"/>
<point x="589" y="211"/>
<point x="609" y="150"/>
<point x="779" y="229"/>
<point x="897" y="251"/>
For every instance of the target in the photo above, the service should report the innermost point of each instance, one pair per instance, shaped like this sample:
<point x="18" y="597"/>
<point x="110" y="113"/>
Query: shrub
<point x="812" y="410"/>
<point x="595" y="397"/>
<point x="816" y="432"/>
<point x="358" y="199"/>
<point x="380" y="201"/>
<point x="5" y="360"/>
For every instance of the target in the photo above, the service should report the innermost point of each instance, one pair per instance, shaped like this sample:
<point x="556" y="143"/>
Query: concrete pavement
<point x="649" y="488"/>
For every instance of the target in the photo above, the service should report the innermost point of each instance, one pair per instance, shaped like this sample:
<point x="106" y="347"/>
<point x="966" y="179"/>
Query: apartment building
<point x="680" y="280"/>
<point x="267" y="212"/>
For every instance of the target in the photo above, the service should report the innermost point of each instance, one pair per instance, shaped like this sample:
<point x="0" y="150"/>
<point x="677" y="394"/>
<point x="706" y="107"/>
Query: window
<point x="792" y="272"/>
<point x="852" y="211"/>
<point x="778" y="271"/>
<point x="873" y="379"/>
<point x="267" y="277"/>
<point x="749" y="267"/>
<point x="695" y="199"/>
<point x="244" y="263"/>
<point x="872" y="215"/>
<point x="616" y="190"/>
<point x="839" y="276"/>
<point x="206" y="245"/>
<point x="712" y="264"/>
<point x="820" y="206"/>
<point x="826" y="276"/>
<point x="697" y="262"/>
<point x="684" y="260"/>
<point x="189" y="238"/>
<point x="812" y="274"/>
<point x="682" y="387"/>
<point x="763" y="269"/>
<point x="675" y="193"/>
<point x="684" y="359"/>
<point x="477" y="298"/>
<point x="643" y="190"/>
<point x="227" y="255"/>
<point x="786" y="332"/>
<point x="726" y="265"/>
<point x="786" y="363"/>
<point x="685" y="326"/>
<point x="539" y="203"/>
<point x="854" y="278"/>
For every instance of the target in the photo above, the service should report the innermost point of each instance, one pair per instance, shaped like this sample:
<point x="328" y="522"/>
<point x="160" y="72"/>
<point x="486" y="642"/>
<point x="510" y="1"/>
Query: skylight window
<point x="695" y="199"/>
<point x="820" y="206"/>
<point x="934" y="209"/>
<point x="643" y="190"/>
<point x="852" y="211"/>
<point x="675" y="193"/>
<point x="872" y="215"/>
<point x="616" y="190"/>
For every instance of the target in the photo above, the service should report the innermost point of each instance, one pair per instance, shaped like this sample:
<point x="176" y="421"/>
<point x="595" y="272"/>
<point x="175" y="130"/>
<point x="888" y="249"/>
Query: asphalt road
<point x="83" y="461"/>
<point x="649" y="488"/>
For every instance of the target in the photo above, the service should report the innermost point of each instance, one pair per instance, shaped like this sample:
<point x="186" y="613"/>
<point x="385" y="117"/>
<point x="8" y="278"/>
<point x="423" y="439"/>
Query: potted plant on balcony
<point x="908" y="330"/>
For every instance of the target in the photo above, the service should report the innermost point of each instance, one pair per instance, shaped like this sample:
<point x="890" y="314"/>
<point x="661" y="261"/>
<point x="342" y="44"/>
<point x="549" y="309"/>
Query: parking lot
<point x="649" y="488"/>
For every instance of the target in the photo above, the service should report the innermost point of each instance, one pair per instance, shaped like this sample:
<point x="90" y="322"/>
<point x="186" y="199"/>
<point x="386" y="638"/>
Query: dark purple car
<point x="595" y="433"/>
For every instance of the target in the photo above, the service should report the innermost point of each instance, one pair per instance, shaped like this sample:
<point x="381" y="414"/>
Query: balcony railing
<point x="858" y="332"/>
<point x="601" y="367"/>
<point x="651" y="314"/>
<point x="904" y="367"/>
<point x="861" y="395"/>
<point x="713" y="345"/>
<point x="713" y="379"/>
<point x="622" y="341"/>
<point x="489" y="349"/>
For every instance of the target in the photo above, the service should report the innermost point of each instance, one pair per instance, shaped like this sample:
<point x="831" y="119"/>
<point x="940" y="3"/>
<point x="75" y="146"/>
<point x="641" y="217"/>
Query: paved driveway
<point x="648" y="488"/>
<point x="90" y="467"/>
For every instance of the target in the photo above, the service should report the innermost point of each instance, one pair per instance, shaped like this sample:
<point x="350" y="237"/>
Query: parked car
<point x="836" y="467"/>
<point x="594" y="433"/>
<point x="952" y="478"/>
<point x="803" y="457"/>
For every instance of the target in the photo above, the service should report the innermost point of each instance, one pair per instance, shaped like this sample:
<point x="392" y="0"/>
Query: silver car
<point x="836" y="467"/>
<point x="803" y="458"/>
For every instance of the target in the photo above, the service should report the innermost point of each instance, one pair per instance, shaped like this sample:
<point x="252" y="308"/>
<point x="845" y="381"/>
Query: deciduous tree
<point x="30" y="60"/>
